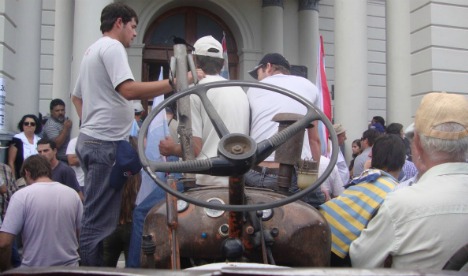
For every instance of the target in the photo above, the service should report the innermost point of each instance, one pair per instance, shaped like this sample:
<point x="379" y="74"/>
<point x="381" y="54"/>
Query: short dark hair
<point x="112" y="12"/>
<point x="37" y="166"/>
<point x="56" y="102"/>
<point x="36" y="120"/>
<point x="209" y="65"/>
<point x="388" y="153"/>
<point x="394" y="128"/>
<point x="379" y="119"/>
<point x="45" y="141"/>
<point x="278" y="68"/>
<point x="371" y="135"/>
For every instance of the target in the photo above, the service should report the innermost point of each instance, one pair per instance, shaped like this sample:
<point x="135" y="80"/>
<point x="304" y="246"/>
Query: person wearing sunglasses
<point x="24" y="144"/>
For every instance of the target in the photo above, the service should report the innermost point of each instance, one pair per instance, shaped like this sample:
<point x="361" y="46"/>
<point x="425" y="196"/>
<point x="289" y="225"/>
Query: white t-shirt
<point x="106" y="115"/>
<point x="232" y="105"/>
<point x="333" y="184"/>
<point x="78" y="170"/>
<point x="265" y="104"/>
<point x="49" y="216"/>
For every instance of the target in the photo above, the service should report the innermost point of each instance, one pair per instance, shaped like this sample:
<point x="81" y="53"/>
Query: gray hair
<point x="441" y="149"/>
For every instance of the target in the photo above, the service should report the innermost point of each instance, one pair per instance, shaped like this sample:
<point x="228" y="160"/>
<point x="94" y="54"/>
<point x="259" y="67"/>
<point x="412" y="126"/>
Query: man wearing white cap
<point x="422" y="226"/>
<point x="231" y="103"/>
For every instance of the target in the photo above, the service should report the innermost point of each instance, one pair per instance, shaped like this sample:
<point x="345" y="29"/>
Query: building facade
<point x="381" y="56"/>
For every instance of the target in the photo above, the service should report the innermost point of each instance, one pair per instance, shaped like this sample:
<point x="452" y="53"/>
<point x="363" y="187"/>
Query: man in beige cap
<point x="422" y="226"/>
<point x="341" y="162"/>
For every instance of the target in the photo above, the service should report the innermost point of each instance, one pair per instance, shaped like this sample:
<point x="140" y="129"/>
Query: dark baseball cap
<point x="273" y="58"/>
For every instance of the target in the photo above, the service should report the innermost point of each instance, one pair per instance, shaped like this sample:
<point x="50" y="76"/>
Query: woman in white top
<point x="24" y="144"/>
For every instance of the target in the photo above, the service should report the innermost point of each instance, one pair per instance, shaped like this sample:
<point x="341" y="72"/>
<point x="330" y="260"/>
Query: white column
<point x="28" y="54"/>
<point x="398" y="62"/>
<point x="63" y="42"/>
<point x="351" y="95"/>
<point x="87" y="22"/>
<point x="309" y="36"/>
<point x="272" y="26"/>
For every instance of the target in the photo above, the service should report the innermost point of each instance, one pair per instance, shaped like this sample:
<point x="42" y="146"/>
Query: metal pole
<point x="183" y="109"/>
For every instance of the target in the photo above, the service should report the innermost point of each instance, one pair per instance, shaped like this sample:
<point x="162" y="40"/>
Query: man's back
<point x="425" y="223"/>
<point x="48" y="215"/>
<point x="232" y="105"/>
<point x="266" y="104"/>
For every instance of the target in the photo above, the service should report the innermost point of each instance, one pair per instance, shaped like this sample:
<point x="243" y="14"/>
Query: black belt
<point x="266" y="170"/>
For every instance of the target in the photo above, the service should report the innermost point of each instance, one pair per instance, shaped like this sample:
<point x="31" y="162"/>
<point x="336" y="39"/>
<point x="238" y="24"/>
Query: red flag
<point x="225" y="70"/>
<point x="324" y="97"/>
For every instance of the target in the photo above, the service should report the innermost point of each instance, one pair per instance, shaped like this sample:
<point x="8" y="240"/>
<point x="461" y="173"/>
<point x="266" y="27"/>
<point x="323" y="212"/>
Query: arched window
<point x="189" y="23"/>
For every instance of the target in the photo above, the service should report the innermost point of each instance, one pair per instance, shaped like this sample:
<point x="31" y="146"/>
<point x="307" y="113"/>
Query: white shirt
<point x="78" y="170"/>
<point x="421" y="226"/>
<point x="232" y="105"/>
<point x="265" y="104"/>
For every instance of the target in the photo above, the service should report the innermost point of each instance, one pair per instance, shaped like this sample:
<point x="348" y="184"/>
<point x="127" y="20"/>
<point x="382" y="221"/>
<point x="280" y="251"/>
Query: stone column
<point x="25" y="92"/>
<point x="351" y="95"/>
<point x="309" y="36"/>
<point x="272" y="26"/>
<point x="63" y="42"/>
<point x="87" y="21"/>
<point x="398" y="62"/>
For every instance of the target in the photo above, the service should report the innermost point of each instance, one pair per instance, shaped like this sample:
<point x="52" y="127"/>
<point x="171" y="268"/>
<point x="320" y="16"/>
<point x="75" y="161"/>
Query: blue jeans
<point x="139" y="215"/>
<point x="102" y="203"/>
<point x="263" y="180"/>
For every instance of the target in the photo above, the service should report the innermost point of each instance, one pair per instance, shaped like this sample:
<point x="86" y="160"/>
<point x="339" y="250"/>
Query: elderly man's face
<point x="341" y="138"/>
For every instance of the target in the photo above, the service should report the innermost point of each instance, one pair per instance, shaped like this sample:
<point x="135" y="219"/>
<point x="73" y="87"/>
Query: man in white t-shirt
<point x="102" y="97"/>
<point x="48" y="215"/>
<point x="341" y="162"/>
<point x="74" y="162"/>
<point x="274" y="69"/>
<point x="231" y="103"/>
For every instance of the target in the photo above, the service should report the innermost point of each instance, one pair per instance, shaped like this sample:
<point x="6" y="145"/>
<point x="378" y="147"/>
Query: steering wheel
<point x="237" y="153"/>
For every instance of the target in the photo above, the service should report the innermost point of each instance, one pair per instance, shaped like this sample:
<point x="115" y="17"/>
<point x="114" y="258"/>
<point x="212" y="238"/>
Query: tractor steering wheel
<point x="237" y="153"/>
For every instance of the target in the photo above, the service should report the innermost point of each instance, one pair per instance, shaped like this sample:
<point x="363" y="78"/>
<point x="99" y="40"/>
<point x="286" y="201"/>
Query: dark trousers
<point x="117" y="242"/>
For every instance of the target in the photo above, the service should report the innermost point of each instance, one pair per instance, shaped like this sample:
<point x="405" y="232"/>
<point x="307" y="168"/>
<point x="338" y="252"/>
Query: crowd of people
<point x="387" y="207"/>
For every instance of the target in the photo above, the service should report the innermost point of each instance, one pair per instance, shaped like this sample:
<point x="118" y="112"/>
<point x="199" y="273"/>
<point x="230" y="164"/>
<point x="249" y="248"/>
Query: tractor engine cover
<point x="296" y="233"/>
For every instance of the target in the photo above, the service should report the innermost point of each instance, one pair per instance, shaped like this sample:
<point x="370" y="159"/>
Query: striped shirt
<point x="51" y="130"/>
<point x="350" y="213"/>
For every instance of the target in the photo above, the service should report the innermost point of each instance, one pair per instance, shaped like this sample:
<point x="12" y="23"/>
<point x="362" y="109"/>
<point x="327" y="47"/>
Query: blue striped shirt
<point x="350" y="213"/>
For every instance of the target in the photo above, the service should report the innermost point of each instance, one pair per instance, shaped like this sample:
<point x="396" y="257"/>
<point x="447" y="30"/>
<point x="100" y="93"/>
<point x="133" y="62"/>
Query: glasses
<point x="29" y="124"/>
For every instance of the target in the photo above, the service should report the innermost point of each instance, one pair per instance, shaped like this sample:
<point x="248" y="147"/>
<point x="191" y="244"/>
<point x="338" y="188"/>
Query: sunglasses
<point x="29" y="124"/>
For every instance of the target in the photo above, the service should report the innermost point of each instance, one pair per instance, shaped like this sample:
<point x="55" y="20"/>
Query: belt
<point x="266" y="170"/>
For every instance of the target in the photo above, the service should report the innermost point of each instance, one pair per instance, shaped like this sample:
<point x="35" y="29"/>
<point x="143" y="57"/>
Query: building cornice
<point x="276" y="3"/>
<point x="309" y="5"/>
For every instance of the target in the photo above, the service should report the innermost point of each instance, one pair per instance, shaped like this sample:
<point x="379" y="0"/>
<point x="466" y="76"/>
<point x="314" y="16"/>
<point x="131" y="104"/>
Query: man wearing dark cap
<point x="422" y="226"/>
<point x="274" y="69"/>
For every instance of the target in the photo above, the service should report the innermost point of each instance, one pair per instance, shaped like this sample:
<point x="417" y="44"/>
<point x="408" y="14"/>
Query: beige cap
<point x="339" y="129"/>
<point x="437" y="108"/>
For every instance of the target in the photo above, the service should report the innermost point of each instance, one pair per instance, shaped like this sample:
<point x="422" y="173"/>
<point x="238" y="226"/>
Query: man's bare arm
<point x="314" y="141"/>
<point x="78" y="103"/>
<point x="6" y="241"/>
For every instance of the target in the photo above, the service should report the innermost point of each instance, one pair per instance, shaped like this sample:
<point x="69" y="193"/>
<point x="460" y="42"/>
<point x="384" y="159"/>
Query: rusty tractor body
<point x="292" y="235"/>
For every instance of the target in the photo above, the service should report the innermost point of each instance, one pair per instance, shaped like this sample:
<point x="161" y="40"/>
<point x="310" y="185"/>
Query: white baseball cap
<point x="208" y="46"/>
